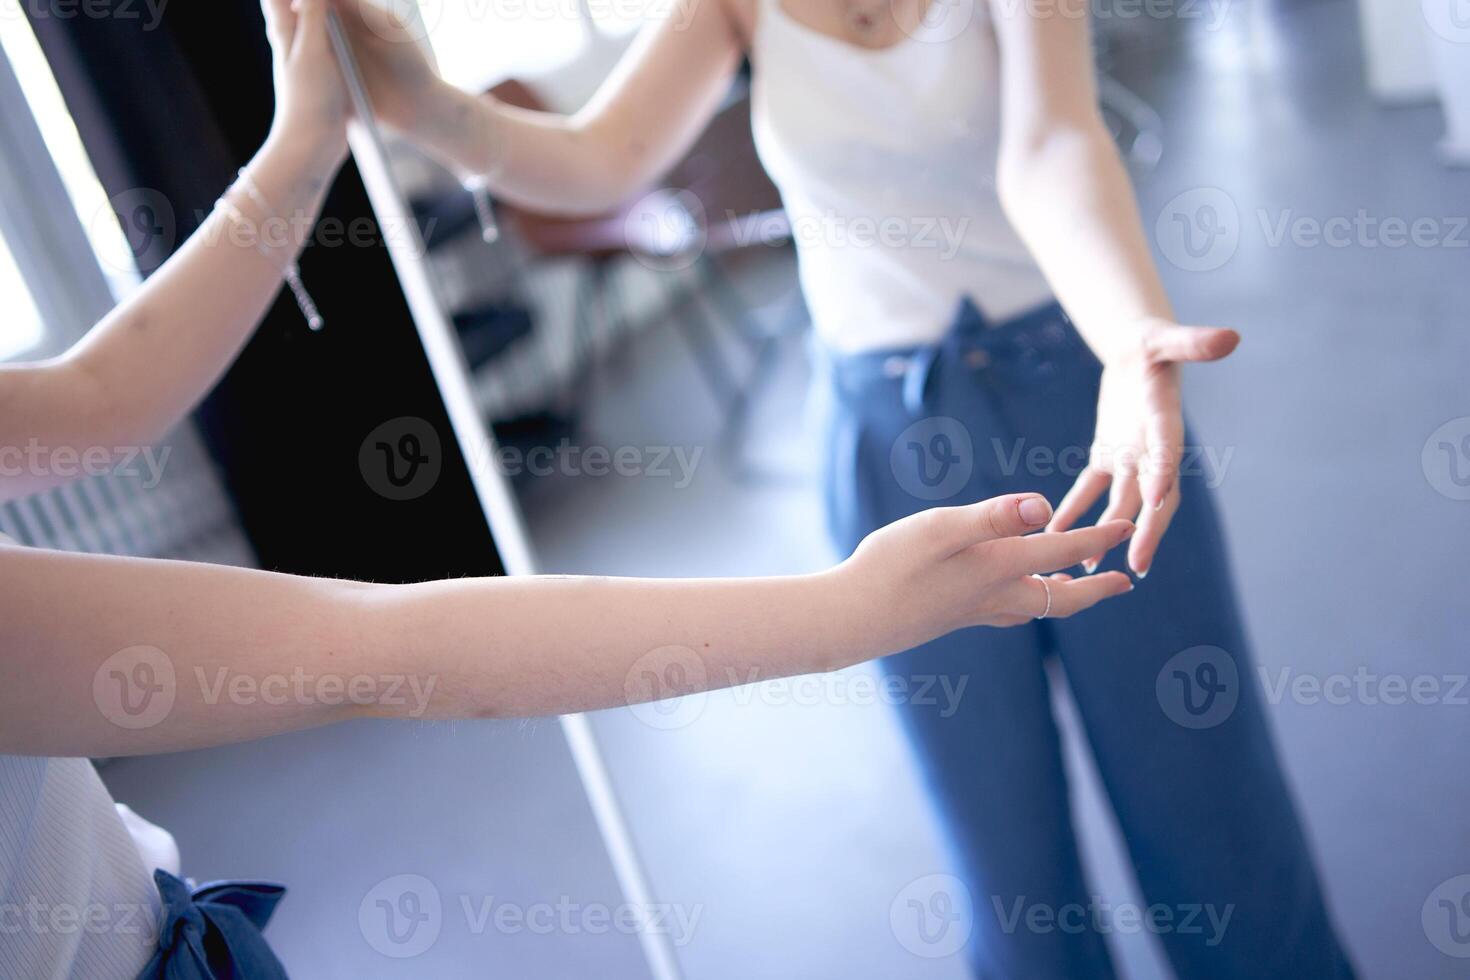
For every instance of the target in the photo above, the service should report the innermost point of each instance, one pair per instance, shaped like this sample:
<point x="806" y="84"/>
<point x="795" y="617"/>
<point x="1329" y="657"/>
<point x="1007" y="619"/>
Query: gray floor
<point x="796" y="825"/>
<point x="788" y="820"/>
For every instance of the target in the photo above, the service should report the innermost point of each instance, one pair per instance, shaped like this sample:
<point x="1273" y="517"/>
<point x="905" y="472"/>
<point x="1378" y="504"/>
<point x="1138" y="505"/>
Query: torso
<point x="879" y="120"/>
<point x="868" y="24"/>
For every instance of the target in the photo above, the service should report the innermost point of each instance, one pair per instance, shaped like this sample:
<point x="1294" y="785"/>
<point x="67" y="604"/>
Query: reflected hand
<point x="311" y="97"/>
<point x="955" y="567"/>
<point x="400" y="77"/>
<point x="1139" y="441"/>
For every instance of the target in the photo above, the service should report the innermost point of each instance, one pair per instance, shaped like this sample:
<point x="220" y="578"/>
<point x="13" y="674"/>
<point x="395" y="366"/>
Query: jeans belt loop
<point x="916" y="379"/>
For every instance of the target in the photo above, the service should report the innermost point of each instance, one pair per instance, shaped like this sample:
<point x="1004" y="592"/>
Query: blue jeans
<point x="1162" y="678"/>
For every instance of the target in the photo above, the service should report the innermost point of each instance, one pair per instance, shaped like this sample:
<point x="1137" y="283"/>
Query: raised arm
<point x="1065" y="189"/>
<point x="116" y="656"/>
<point x="145" y="366"/>
<point x="642" y="120"/>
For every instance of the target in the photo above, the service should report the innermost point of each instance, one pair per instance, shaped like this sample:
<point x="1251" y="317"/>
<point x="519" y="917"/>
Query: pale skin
<point x="484" y="647"/>
<point x="1059" y="175"/>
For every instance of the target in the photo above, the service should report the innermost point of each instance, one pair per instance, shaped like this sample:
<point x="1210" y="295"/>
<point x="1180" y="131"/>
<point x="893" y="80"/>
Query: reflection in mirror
<point x="456" y="368"/>
<point x="737" y="282"/>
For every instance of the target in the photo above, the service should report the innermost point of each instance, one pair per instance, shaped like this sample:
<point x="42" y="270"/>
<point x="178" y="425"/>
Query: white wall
<point x="1395" y="46"/>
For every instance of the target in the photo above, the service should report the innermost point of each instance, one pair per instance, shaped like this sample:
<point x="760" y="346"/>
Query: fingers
<point x="1176" y="343"/>
<point x="311" y="24"/>
<point x="383" y="19"/>
<point x="1124" y="503"/>
<point x="1091" y="482"/>
<point x="1151" y="527"/>
<point x="1044" y="553"/>
<point x="1070" y="598"/>
<point x="1125" y="499"/>
<point x="280" y="24"/>
<point x="1164" y="435"/>
<point x="1025" y="598"/>
<point x="363" y="20"/>
<point x="989" y="520"/>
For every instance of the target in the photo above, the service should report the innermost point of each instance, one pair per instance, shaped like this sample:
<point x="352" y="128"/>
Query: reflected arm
<point x="642" y="119"/>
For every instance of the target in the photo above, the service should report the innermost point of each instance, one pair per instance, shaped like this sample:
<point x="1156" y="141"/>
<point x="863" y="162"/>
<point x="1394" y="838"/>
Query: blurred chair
<point x="715" y="204"/>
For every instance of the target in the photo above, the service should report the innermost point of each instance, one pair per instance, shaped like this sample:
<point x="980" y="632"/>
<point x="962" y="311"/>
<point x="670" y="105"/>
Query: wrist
<point x="309" y="152"/>
<point x="857" y="624"/>
<point x="459" y="128"/>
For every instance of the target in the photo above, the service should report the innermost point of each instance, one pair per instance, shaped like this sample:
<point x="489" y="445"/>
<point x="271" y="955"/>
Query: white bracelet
<point x="484" y="208"/>
<point x="307" y="305"/>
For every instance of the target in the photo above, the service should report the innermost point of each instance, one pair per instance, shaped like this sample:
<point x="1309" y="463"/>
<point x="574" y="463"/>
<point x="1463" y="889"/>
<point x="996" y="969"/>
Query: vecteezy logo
<point x="401" y="916"/>
<point x="1446" y="459"/>
<point x="666" y="687"/>
<point x="933" y="458"/>
<point x="667" y="230"/>
<point x="942" y="21"/>
<point x="135" y="688"/>
<point x="933" y="916"/>
<point x="1199" y="230"/>
<point x="403" y="20"/>
<point x="149" y="230"/>
<point x="401" y="459"/>
<point x="1450" y="19"/>
<point x="1198" y="687"/>
<point x="1446" y="917"/>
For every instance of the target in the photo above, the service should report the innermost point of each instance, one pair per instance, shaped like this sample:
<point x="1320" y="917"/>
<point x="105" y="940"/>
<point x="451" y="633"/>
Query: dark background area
<point x="170" y="114"/>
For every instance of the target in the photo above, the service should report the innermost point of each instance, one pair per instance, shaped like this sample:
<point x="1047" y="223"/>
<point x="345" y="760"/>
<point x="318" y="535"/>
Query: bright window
<point x="480" y="42"/>
<point x="21" y="327"/>
<point x="20" y="322"/>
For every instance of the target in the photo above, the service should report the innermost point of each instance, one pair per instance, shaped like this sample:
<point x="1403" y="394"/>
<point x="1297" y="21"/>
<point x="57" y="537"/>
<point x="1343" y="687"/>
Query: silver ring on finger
<point x="1045" y="584"/>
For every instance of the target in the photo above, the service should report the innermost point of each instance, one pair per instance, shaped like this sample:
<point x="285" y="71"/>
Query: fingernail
<point x="1089" y="566"/>
<point x="1142" y="575"/>
<point x="1159" y="506"/>
<point x="1035" y="511"/>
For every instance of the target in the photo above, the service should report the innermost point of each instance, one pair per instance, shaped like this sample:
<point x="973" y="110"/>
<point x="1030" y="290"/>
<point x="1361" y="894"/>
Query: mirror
<point x="761" y="350"/>
<point x="454" y="361"/>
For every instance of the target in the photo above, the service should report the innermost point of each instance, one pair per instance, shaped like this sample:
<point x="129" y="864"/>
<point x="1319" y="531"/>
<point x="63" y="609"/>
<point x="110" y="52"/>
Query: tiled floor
<point x="788" y="819"/>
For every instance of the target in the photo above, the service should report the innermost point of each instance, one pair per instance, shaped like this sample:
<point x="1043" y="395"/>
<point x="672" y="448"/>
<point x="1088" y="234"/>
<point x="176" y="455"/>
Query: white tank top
<point x="77" y="897"/>
<point x="886" y="162"/>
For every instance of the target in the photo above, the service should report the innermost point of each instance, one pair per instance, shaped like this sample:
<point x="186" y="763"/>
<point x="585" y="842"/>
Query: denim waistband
<point x="1029" y="341"/>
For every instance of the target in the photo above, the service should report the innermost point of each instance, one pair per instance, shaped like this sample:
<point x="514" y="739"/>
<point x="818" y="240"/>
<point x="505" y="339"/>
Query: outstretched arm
<point x="1066" y="191"/>
<point x="144" y="367"/>
<point x="115" y="656"/>
<point x="641" y="121"/>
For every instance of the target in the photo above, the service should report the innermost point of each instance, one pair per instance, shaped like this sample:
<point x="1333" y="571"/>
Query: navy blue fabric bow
<point x="213" y="932"/>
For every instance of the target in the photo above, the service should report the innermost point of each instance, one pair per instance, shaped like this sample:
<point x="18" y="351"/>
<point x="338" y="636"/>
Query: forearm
<point x="543" y="161"/>
<point x="120" y="656"/>
<point x="149" y="362"/>
<point x="1069" y="197"/>
<point x="528" y="647"/>
<point x="252" y="654"/>
<point x="188" y="322"/>
<point x="644" y="117"/>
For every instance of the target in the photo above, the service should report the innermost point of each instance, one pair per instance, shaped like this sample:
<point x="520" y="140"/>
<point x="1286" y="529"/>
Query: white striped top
<point x="76" y="895"/>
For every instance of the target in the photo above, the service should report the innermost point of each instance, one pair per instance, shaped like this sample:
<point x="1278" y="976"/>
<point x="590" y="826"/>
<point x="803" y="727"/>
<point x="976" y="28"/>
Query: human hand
<point x="954" y="567"/>
<point x="1139" y="440"/>
<point x="403" y="85"/>
<point x="312" y="105"/>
